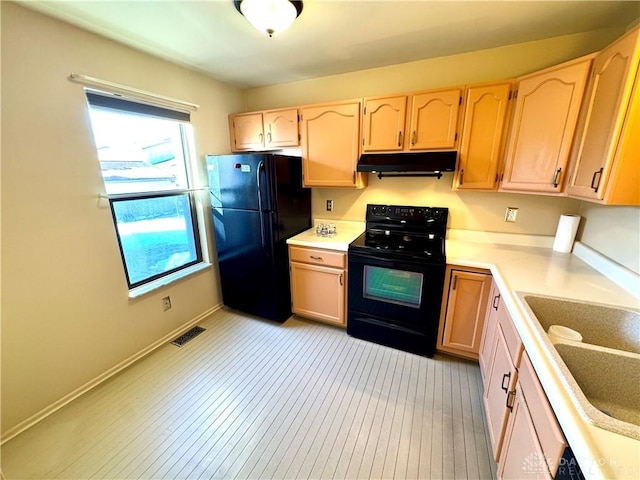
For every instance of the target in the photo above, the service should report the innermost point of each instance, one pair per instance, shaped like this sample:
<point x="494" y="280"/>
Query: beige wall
<point x="613" y="231"/>
<point x="537" y="215"/>
<point x="483" y="65"/>
<point x="66" y="315"/>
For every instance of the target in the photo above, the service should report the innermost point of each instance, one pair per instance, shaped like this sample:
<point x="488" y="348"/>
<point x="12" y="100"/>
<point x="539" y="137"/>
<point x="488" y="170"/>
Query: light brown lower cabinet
<point x="318" y="284"/>
<point x="526" y="439"/>
<point x="533" y="441"/>
<point x="463" y="311"/>
<point x="503" y="373"/>
<point x="489" y="331"/>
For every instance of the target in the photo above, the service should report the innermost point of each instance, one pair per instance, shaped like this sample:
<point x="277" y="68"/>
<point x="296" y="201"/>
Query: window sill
<point x="163" y="282"/>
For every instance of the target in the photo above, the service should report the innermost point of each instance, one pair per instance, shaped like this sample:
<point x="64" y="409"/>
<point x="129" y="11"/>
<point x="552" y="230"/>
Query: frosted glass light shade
<point x="270" y="16"/>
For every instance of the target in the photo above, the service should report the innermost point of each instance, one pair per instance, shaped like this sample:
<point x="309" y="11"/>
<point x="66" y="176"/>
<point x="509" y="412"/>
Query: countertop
<point x="346" y="232"/>
<point x="517" y="266"/>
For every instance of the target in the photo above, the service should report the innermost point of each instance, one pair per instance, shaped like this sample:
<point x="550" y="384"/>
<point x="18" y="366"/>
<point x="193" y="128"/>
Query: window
<point x="144" y="160"/>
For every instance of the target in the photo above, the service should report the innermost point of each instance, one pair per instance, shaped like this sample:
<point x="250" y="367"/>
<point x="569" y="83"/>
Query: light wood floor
<point x="254" y="399"/>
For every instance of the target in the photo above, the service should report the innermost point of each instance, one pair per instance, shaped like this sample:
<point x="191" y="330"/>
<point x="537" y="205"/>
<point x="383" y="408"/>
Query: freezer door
<point x="292" y="200"/>
<point x="251" y="267"/>
<point x="240" y="181"/>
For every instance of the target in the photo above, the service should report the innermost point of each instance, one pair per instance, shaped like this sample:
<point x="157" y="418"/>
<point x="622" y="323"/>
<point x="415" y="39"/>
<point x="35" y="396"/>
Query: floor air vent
<point x="185" y="337"/>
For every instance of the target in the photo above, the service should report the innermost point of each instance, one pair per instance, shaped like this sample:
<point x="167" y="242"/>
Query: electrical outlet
<point x="511" y="214"/>
<point x="329" y="205"/>
<point x="166" y="303"/>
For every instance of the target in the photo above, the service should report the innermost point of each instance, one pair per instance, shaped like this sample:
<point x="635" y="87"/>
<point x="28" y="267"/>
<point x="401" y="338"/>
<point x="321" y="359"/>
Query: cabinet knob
<point x="506" y="377"/>
<point x="496" y="299"/>
<point x="597" y="173"/>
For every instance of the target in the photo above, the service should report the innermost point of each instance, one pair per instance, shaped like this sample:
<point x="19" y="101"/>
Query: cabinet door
<point x="465" y="313"/>
<point x="489" y="331"/>
<point x="434" y="119"/>
<point x="330" y="145"/>
<point x="522" y="456"/>
<point x="383" y="123"/>
<point x="543" y="127"/>
<point x="608" y="117"/>
<point x="483" y="132"/>
<point x="501" y="380"/>
<point x="248" y="131"/>
<point x="318" y="292"/>
<point x="281" y="128"/>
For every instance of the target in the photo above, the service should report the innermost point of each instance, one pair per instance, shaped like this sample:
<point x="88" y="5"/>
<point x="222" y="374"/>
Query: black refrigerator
<point x="258" y="202"/>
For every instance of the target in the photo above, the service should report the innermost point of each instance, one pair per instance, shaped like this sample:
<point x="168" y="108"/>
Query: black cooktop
<point x="402" y="231"/>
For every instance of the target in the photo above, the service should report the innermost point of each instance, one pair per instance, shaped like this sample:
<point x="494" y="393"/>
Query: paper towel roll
<point x="566" y="233"/>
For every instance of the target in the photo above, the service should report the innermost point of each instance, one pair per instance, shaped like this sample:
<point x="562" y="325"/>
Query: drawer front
<point x="315" y="256"/>
<point x="547" y="429"/>
<point x="514" y="343"/>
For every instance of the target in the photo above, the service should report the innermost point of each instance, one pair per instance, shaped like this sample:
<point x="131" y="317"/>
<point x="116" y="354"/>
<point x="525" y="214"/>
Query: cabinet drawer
<point x="514" y="344"/>
<point x="317" y="257"/>
<point x="547" y="429"/>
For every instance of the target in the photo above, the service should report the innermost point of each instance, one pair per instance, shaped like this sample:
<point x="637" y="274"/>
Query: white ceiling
<point x="330" y="36"/>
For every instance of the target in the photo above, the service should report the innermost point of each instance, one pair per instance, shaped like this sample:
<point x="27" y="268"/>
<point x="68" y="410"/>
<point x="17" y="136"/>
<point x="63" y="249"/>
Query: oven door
<point x="407" y="293"/>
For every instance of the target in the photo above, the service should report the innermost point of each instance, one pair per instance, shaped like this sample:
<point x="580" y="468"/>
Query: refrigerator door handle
<point x="258" y="170"/>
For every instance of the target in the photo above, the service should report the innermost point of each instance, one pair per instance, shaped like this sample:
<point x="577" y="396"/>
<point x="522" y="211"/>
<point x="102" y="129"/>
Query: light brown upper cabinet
<point x="331" y="145"/>
<point x="484" y="127"/>
<point x="543" y="127"/>
<point x="607" y="167"/>
<point x="434" y="119"/>
<point x="430" y="124"/>
<point x="383" y="121"/>
<point x="268" y="130"/>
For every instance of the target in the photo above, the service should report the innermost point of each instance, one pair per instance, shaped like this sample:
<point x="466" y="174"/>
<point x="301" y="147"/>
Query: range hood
<point x="422" y="164"/>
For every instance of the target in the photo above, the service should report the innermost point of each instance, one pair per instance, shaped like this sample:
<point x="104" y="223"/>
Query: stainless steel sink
<point x="602" y="373"/>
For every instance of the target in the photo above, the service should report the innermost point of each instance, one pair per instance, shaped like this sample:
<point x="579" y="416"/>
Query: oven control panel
<point x="399" y="213"/>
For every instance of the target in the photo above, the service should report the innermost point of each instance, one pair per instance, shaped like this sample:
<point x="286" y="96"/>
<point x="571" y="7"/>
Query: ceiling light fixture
<point x="270" y="16"/>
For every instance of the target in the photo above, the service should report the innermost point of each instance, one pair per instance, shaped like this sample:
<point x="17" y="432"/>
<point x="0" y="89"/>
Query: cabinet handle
<point x="511" y="395"/>
<point x="413" y="138"/>
<point x="313" y="257"/>
<point x="455" y="282"/>
<point x="341" y="280"/>
<point x="269" y="137"/>
<point x="461" y="177"/>
<point x="400" y="138"/>
<point x="495" y="302"/>
<point x="556" y="177"/>
<point x="593" y="179"/>
<point x="260" y="137"/>
<point x="506" y="377"/>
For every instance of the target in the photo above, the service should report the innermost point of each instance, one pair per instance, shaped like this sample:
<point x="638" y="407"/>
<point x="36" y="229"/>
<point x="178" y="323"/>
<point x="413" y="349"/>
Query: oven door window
<point x="393" y="286"/>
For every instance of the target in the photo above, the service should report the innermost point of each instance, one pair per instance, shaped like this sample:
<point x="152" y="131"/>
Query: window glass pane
<point x="138" y="153"/>
<point x="393" y="286"/>
<point x="156" y="235"/>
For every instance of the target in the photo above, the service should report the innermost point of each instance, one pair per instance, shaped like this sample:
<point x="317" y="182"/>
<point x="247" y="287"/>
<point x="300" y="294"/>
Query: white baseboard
<point x="44" y="413"/>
